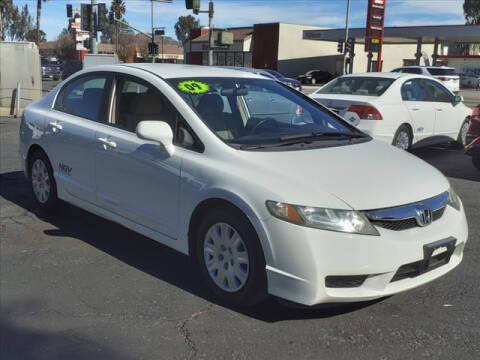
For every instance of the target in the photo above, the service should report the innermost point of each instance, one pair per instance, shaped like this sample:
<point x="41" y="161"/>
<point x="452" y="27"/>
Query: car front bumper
<point x="303" y="258"/>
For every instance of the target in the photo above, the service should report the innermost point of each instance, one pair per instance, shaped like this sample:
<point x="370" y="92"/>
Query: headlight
<point x="453" y="199"/>
<point x="348" y="221"/>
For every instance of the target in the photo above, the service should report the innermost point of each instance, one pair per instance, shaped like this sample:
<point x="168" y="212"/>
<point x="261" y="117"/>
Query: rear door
<point x="447" y="121"/>
<point x="79" y="109"/>
<point x="416" y="99"/>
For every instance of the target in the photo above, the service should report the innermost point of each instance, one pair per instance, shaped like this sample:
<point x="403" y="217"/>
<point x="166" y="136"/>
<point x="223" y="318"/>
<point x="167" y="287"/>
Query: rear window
<point x="351" y="85"/>
<point x="440" y="71"/>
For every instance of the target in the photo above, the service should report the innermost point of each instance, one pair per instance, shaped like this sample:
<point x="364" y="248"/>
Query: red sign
<point x="375" y="25"/>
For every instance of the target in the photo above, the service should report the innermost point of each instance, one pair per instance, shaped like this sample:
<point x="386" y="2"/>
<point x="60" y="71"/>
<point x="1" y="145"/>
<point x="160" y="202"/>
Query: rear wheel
<point x="230" y="257"/>
<point x="402" y="138"/>
<point x="42" y="182"/>
<point x="476" y="157"/>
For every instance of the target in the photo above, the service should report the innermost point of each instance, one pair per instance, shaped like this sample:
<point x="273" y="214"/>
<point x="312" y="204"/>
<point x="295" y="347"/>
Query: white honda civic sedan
<point x="269" y="192"/>
<point x="400" y="109"/>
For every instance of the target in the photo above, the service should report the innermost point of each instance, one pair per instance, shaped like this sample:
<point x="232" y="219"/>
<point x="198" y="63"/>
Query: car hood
<point x="365" y="176"/>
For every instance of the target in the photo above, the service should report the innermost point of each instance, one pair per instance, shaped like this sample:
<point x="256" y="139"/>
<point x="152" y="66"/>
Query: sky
<point x="233" y="13"/>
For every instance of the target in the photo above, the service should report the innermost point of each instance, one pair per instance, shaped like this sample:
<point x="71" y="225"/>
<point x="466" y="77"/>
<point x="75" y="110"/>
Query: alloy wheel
<point x="403" y="140"/>
<point x="40" y="181"/>
<point x="226" y="257"/>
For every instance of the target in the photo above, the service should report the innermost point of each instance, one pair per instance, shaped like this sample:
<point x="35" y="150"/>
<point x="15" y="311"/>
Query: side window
<point x="413" y="90"/>
<point x="437" y="92"/>
<point x="85" y="97"/>
<point x="137" y="101"/>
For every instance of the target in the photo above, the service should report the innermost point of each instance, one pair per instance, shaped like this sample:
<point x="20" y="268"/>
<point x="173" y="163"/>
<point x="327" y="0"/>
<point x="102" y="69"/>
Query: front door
<point x="79" y="109"/>
<point x="137" y="179"/>
<point x="422" y="115"/>
<point x="447" y="122"/>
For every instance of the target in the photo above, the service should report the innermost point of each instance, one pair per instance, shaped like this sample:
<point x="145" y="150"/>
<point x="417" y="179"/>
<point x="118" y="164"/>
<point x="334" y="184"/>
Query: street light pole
<point x="153" y="36"/>
<point x="346" y="38"/>
<point x="93" y="21"/>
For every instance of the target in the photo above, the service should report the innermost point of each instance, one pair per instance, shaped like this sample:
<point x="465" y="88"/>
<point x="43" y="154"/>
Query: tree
<point x="32" y="36"/>
<point x="184" y="25"/>
<point x="471" y="9"/>
<point x="25" y="25"/>
<point x="66" y="46"/>
<point x="5" y="15"/>
<point x="39" y="14"/>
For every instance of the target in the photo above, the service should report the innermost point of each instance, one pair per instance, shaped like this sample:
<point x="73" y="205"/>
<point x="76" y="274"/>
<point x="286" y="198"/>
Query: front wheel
<point x="42" y="182"/>
<point x="230" y="257"/>
<point x="462" y="135"/>
<point x="402" y="138"/>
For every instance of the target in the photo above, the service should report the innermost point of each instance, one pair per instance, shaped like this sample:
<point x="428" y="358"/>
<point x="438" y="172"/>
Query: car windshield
<point x="357" y="85"/>
<point x="441" y="71"/>
<point x="249" y="111"/>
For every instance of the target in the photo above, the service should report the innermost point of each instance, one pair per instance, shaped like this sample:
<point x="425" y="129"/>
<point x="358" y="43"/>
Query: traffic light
<point x="86" y="16"/>
<point x="193" y="5"/>
<point x="69" y="11"/>
<point x="349" y="45"/>
<point x="152" y="48"/>
<point x="102" y="16"/>
<point x="340" y="46"/>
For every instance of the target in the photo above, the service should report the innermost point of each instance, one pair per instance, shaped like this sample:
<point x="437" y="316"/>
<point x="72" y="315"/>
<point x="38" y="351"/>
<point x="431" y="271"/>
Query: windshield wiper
<point x="318" y="134"/>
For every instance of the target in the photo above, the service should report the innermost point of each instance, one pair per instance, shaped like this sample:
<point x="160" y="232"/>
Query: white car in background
<point x="444" y="74"/>
<point x="400" y="109"/>
<point x="266" y="189"/>
<point x="470" y="81"/>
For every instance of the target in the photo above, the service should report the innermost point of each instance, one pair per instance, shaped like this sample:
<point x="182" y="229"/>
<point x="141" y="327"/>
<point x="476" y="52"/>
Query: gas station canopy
<point x="404" y="34"/>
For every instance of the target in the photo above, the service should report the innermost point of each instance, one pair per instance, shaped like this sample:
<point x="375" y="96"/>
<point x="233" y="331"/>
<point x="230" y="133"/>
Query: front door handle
<point x="439" y="109"/>
<point x="107" y="143"/>
<point x="56" y="126"/>
<point x="415" y="109"/>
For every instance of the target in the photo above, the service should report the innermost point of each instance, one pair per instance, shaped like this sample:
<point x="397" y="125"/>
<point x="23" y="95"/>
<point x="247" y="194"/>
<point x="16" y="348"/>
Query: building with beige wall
<point x="294" y="49"/>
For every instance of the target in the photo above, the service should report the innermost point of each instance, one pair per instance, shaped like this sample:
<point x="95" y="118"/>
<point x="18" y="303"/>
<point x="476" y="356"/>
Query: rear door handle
<point x="107" y="143"/>
<point x="56" y="126"/>
<point x="439" y="109"/>
<point x="415" y="109"/>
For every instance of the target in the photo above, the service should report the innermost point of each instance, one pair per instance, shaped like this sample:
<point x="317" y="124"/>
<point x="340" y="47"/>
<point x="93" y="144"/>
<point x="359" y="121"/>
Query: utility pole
<point x="210" y="33"/>
<point x="93" y="22"/>
<point x="346" y="38"/>
<point x="151" y="18"/>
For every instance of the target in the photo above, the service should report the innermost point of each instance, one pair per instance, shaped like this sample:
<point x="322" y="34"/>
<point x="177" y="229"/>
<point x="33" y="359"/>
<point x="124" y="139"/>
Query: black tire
<point x="476" y="158"/>
<point x="254" y="289"/>
<point x="403" y="133"/>
<point x="460" y="143"/>
<point x="51" y="202"/>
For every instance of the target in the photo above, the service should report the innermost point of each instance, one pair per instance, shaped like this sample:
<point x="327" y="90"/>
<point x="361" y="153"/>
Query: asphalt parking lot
<point x="75" y="286"/>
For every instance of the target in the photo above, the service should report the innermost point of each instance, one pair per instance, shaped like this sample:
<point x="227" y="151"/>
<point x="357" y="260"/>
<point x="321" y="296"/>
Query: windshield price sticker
<point x="193" y="87"/>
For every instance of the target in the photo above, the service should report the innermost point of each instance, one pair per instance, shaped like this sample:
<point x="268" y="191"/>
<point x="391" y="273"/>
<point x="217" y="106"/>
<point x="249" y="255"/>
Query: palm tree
<point x="39" y="14"/>
<point x="117" y="10"/>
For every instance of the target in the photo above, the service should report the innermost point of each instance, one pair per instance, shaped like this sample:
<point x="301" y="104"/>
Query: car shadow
<point x="450" y="161"/>
<point x="151" y="257"/>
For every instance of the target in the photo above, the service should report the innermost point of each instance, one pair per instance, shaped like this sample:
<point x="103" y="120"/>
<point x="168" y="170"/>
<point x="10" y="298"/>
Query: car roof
<point x="168" y="71"/>
<point x="424" y="67"/>
<point x="388" y="75"/>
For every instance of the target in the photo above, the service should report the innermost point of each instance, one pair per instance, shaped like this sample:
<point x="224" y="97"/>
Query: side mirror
<point x="457" y="100"/>
<point x="158" y="131"/>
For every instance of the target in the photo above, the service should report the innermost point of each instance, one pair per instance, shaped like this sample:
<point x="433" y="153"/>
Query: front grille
<point x="405" y="224"/>
<point x="345" y="281"/>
